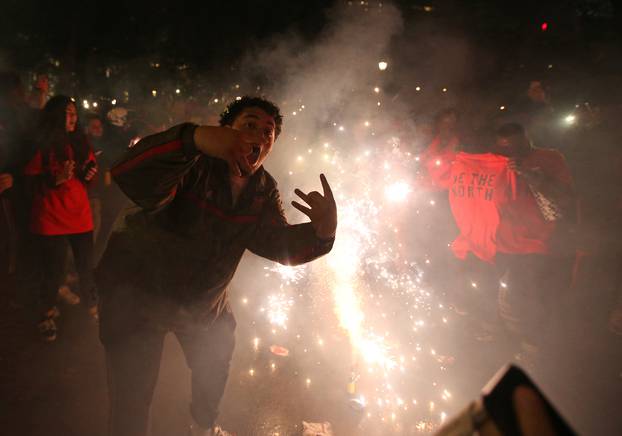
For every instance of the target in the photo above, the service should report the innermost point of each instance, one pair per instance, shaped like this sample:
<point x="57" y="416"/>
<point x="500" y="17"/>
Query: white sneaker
<point x="47" y="329"/>
<point x="94" y="312"/>
<point x="196" y="430"/>
<point x="66" y="295"/>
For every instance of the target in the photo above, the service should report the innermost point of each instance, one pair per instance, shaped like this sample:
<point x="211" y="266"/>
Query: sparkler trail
<point x="370" y="293"/>
<point x="376" y="287"/>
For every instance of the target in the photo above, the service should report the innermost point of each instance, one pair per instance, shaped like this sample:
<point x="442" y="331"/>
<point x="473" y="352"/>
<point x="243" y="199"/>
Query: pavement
<point x="59" y="388"/>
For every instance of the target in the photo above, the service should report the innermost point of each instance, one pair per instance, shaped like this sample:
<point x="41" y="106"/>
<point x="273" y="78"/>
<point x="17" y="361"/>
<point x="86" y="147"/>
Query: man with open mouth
<point x="203" y="198"/>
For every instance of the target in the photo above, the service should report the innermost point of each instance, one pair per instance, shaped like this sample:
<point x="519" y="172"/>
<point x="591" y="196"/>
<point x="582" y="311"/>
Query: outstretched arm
<point x="151" y="172"/>
<point x="299" y="243"/>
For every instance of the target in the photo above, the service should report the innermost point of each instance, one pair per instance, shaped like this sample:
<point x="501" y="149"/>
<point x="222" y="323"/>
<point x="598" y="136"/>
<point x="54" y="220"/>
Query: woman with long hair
<point x="60" y="170"/>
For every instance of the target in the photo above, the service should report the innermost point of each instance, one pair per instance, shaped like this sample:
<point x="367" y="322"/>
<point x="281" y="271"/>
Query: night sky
<point x="205" y="34"/>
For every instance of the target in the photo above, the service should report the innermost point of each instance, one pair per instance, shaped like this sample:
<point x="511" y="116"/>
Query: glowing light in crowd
<point x="154" y="92"/>
<point x="114" y="101"/>
<point x="134" y="141"/>
<point x="177" y="91"/>
<point x="382" y="65"/>
<point x="85" y="104"/>
<point x="570" y="119"/>
<point x="397" y="192"/>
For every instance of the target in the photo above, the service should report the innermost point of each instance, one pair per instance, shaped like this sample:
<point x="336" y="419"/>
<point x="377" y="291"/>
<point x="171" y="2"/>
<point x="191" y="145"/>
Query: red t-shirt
<point x="479" y="185"/>
<point x="513" y="222"/>
<point x="62" y="209"/>
<point x="523" y="229"/>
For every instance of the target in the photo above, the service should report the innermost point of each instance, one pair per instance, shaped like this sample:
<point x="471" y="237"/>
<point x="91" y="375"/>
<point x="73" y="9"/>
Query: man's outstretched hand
<point x="322" y="210"/>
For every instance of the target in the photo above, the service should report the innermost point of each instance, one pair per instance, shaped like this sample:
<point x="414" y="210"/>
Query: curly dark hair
<point x="236" y="107"/>
<point x="51" y="134"/>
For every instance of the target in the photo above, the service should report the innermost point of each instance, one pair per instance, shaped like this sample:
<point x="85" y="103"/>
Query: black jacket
<point x="187" y="239"/>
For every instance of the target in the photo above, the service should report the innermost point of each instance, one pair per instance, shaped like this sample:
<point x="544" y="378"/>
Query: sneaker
<point x="195" y="430"/>
<point x="615" y="321"/>
<point x="52" y="313"/>
<point x="67" y="296"/>
<point x="47" y="329"/>
<point x="71" y="278"/>
<point x="94" y="313"/>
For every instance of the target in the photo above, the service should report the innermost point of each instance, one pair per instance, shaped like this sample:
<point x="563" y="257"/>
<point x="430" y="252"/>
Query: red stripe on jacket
<point x="149" y="153"/>
<point x="216" y="211"/>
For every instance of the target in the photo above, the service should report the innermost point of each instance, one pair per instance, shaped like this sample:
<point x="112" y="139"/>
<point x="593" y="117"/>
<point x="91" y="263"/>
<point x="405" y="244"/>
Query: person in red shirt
<point x="545" y="195"/>
<point x="515" y="206"/>
<point x="60" y="169"/>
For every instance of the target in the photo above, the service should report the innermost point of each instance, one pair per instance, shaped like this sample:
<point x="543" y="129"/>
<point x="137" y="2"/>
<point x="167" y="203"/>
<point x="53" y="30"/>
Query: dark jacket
<point x="187" y="239"/>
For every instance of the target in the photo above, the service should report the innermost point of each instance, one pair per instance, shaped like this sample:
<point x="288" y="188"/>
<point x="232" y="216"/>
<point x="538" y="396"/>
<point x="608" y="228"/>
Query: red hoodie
<point x="62" y="209"/>
<point x="523" y="229"/>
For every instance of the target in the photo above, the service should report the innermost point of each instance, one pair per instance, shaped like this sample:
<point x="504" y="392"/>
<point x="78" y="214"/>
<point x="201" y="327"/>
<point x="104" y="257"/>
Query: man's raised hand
<point x="321" y="209"/>
<point x="227" y="144"/>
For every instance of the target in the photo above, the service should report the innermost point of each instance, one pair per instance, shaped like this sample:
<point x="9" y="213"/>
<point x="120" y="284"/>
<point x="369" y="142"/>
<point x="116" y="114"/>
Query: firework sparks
<point x="277" y="309"/>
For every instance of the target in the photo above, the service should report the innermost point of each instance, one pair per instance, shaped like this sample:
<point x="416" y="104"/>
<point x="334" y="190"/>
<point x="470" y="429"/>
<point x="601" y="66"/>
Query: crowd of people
<point x="531" y="219"/>
<point x="57" y="211"/>
<point x="534" y="201"/>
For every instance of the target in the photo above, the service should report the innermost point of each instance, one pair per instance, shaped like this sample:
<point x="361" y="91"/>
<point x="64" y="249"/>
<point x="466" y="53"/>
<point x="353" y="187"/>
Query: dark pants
<point x="8" y="237"/>
<point x="53" y="251"/>
<point x="532" y="293"/>
<point x="112" y="206"/>
<point x="133" y="325"/>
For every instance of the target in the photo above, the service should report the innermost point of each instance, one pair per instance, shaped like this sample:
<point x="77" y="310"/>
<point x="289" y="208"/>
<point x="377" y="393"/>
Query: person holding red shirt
<point x="59" y="172"/>
<point x="535" y="235"/>
<point x="545" y="196"/>
<point x="522" y="226"/>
